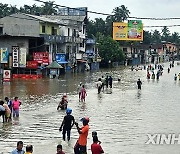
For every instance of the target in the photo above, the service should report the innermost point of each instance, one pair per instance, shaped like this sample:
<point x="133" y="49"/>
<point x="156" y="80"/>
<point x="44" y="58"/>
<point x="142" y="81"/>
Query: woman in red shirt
<point x="95" y="147"/>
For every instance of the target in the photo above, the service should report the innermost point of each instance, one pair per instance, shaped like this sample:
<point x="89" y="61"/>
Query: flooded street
<point x="122" y="116"/>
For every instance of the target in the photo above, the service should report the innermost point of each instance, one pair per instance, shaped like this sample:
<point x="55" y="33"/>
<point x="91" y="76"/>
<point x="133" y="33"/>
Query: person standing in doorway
<point x="139" y="83"/>
<point x="67" y="124"/>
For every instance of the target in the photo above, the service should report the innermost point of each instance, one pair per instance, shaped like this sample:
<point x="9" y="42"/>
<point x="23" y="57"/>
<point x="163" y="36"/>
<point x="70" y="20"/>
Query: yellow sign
<point x="131" y="31"/>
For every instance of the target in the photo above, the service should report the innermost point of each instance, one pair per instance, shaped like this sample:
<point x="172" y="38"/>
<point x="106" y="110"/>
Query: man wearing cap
<point x="80" y="147"/>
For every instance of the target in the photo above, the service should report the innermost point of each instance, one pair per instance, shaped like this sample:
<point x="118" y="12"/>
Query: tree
<point x="120" y="14"/>
<point x="165" y="34"/>
<point x="48" y="8"/>
<point x="147" y="37"/>
<point x="175" y="38"/>
<point x="109" y="50"/>
<point x="4" y="10"/>
<point x="156" y="37"/>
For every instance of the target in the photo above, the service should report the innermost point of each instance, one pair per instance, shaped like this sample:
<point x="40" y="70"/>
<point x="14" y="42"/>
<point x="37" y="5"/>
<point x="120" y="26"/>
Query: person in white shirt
<point x="99" y="85"/>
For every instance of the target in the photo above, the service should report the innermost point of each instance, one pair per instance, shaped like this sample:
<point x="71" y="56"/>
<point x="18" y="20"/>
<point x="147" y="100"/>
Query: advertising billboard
<point x="131" y="31"/>
<point x="15" y="51"/>
<point x="22" y="57"/>
<point x="4" y="55"/>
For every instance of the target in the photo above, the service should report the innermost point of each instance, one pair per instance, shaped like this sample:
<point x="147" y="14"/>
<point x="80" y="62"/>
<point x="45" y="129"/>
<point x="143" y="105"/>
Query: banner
<point x="15" y="51"/>
<point x="41" y="57"/>
<point x="4" y="55"/>
<point x="32" y="64"/>
<point x="135" y="30"/>
<point x="22" y="57"/>
<point x="120" y="31"/>
<point x="6" y="75"/>
<point x="131" y="31"/>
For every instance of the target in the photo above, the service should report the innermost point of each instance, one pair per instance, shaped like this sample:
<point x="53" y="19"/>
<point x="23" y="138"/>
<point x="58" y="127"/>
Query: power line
<point x="61" y="24"/>
<point x="100" y="13"/>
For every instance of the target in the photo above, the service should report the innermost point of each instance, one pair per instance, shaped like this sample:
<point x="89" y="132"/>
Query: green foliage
<point x="45" y="9"/>
<point x="109" y="50"/>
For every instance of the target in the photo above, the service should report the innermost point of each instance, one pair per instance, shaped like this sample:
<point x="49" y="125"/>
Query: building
<point x="30" y="41"/>
<point x="73" y="29"/>
<point x="93" y="57"/>
<point x="33" y="42"/>
<point x="153" y="53"/>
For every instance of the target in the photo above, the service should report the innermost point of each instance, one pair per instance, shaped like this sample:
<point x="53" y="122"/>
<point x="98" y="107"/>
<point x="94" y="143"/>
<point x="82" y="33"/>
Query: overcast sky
<point x="138" y="8"/>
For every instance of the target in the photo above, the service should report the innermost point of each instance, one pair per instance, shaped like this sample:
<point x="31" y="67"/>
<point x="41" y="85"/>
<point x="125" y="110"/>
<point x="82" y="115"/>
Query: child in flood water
<point x="83" y="94"/>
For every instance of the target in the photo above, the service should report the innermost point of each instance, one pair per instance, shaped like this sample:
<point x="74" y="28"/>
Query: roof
<point x="66" y="17"/>
<point x="35" y="17"/>
<point x="54" y="64"/>
<point x="41" y="18"/>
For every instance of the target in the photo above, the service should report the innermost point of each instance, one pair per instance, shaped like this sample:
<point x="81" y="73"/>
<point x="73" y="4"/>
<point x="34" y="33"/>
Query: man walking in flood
<point x="139" y="83"/>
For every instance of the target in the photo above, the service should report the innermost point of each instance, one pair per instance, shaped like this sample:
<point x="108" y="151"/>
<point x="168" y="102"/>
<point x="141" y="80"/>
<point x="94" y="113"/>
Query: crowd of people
<point x="9" y="108"/>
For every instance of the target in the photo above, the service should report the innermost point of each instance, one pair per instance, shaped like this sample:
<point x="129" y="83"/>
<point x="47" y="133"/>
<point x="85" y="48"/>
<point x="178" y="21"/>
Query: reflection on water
<point x="122" y="116"/>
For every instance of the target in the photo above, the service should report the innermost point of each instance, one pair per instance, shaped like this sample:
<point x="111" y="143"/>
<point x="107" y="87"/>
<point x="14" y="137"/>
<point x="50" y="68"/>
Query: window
<point x="43" y="29"/>
<point x="74" y="32"/>
<point x="53" y="31"/>
<point x="1" y="30"/>
<point x="68" y="31"/>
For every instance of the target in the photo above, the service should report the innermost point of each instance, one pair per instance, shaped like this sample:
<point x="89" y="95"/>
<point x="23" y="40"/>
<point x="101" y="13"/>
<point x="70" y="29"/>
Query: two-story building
<point x="30" y="40"/>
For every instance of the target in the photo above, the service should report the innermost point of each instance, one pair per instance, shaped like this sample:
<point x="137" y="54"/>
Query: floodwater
<point x="122" y="116"/>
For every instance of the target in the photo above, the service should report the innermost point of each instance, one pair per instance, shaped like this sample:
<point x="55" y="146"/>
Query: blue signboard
<point x="61" y="58"/>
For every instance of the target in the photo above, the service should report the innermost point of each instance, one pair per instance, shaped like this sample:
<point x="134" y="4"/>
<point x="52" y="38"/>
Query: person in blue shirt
<point x="19" y="149"/>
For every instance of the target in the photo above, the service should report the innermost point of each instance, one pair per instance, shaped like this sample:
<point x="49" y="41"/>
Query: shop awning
<point x="54" y="64"/>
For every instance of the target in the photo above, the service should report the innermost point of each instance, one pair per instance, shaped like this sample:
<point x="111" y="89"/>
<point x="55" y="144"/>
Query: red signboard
<point x="41" y="57"/>
<point x="32" y="64"/>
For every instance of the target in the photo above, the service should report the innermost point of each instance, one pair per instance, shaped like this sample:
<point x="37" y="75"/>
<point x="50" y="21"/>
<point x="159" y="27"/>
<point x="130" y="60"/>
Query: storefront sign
<point x="61" y="58"/>
<point x="32" y="64"/>
<point x="6" y="75"/>
<point x="22" y="57"/>
<point x="4" y="55"/>
<point x="41" y="57"/>
<point x="15" y="51"/>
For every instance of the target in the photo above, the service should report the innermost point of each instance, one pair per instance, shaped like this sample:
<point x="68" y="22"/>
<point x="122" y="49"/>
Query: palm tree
<point x="120" y="13"/>
<point x="48" y="8"/>
<point x="165" y="34"/>
<point x="156" y="37"/>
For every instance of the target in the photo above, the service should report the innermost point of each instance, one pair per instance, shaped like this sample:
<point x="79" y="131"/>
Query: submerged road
<point x="122" y="116"/>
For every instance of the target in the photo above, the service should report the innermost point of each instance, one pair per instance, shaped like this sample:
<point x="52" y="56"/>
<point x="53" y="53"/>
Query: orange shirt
<point x="83" y="137"/>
